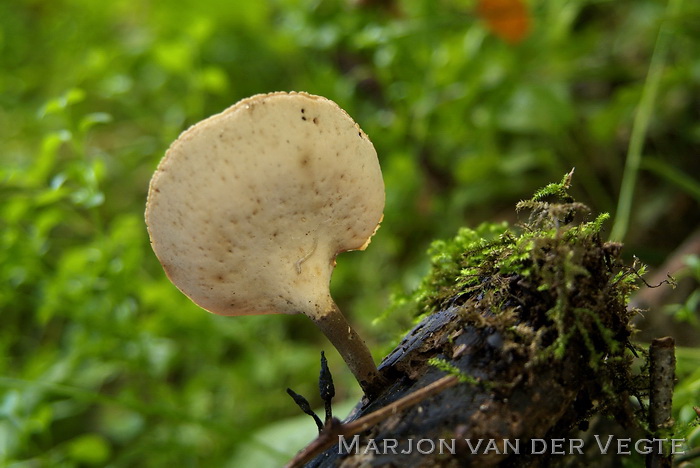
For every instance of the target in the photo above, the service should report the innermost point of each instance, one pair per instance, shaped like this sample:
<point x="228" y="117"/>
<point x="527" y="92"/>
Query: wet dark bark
<point x="545" y="400"/>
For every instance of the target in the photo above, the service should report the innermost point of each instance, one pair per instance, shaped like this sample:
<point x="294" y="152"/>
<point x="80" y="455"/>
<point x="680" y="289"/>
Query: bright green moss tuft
<point x="550" y="287"/>
<point x="549" y="283"/>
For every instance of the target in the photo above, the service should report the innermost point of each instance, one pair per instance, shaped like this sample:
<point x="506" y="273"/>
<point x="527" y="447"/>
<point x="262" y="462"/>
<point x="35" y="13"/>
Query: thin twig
<point x="662" y="368"/>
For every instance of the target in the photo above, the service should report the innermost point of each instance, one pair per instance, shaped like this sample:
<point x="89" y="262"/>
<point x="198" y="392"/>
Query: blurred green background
<point x="104" y="363"/>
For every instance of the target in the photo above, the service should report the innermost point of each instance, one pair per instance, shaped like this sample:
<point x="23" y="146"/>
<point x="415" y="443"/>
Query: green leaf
<point x="91" y="449"/>
<point x="90" y="120"/>
<point x="61" y="103"/>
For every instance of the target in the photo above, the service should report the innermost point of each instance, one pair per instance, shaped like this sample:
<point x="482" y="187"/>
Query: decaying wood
<point x="534" y="332"/>
<point x="534" y="402"/>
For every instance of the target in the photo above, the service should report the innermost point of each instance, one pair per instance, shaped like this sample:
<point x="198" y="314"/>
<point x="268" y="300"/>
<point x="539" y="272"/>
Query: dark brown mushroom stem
<point x="353" y="350"/>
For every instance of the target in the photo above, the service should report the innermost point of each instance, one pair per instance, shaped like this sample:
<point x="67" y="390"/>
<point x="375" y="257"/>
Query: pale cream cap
<point x="249" y="208"/>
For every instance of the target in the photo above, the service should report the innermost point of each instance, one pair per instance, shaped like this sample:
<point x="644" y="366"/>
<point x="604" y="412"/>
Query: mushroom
<point x="249" y="208"/>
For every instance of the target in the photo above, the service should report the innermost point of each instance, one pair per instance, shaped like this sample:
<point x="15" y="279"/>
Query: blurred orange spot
<point x="507" y="19"/>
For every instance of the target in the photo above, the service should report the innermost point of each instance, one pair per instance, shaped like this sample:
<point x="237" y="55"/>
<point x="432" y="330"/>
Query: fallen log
<point x="522" y="358"/>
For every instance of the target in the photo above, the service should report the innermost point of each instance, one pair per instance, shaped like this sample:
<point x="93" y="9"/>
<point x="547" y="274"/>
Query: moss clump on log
<point x="550" y="286"/>
<point x="533" y="319"/>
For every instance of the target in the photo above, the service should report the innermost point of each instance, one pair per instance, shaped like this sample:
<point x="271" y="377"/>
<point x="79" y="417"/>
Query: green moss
<point x="449" y="272"/>
<point x="451" y="369"/>
<point x="555" y="189"/>
<point x="548" y="248"/>
<point x="550" y="286"/>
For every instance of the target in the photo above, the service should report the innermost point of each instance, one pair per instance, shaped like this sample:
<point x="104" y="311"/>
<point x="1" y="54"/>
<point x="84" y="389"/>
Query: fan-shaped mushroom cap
<point x="249" y="208"/>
